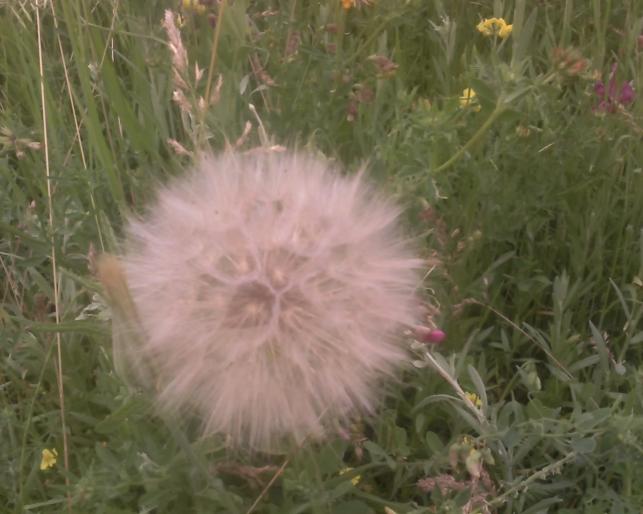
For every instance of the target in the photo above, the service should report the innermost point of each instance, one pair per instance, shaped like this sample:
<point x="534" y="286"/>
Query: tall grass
<point x="529" y="210"/>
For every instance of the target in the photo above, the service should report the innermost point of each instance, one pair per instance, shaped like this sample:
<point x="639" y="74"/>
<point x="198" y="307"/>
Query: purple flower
<point x="626" y="96"/>
<point x="614" y="95"/>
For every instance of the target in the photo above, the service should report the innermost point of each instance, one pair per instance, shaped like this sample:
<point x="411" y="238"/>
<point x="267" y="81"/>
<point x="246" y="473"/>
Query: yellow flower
<point x="495" y="27"/>
<point x="469" y="99"/>
<point x="355" y="480"/>
<point x="505" y="31"/>
<point x="48" y="459"/>
<point x="474" y="398"/>
<point x="193" y="5"/>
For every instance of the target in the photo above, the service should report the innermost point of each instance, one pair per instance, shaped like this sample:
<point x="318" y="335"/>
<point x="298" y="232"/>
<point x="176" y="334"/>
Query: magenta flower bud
<point x="427" y="335"/>
<point x="627" y="94"/>
<point x="436" y="336"/>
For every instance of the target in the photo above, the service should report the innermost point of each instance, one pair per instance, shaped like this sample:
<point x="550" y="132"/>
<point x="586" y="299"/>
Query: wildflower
<point x="194" y="6"/>
<point x="569" y="61"/>
<point x="48" y="459"/>
<point x="474" y="398"/>
<point x="385" y="66"/>
<point x="612" y="97"/>
<point x="479" y="489"/>
<point x="495" y="27"/>
<point x="428" y="335"/>
<point x="505" y="31"/>
<point x="349" y="4"/>
<point x="269" y="292"/>
<point x="355" y="480"/>
<point x="469" y="99"/>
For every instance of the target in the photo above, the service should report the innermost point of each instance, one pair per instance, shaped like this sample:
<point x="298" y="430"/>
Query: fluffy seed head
<point x="271" y="292"/>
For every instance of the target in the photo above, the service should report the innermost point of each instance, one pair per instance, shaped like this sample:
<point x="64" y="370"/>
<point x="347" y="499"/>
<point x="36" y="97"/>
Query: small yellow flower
<point x="495" y="27"/>
<point x="194" y="6"/>
<point x="469" y="99"/>
<point x="505" y="31"/>
<point x="48" y="459"/>
<point x="474" y="398"/>
<point x="355" y="480"/>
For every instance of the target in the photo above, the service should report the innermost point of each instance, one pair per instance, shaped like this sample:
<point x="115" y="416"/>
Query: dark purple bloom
<point x="614" y="94"/>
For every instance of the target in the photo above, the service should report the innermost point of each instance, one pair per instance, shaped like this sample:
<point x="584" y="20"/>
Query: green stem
<point x="25" y="431"/>
<point x="201" y="136"/>
<point x="543" y="473"/>
<point x="500" y="108"/>
<point x="215" y="47"/>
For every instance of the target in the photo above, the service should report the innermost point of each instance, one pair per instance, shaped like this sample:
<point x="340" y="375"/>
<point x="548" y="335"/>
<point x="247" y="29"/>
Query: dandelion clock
<point x="269" y="294"/>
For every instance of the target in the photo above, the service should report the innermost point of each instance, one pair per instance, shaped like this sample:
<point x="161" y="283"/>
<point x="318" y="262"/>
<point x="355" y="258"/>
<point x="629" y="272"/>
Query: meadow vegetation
<point x="517" y="154"/>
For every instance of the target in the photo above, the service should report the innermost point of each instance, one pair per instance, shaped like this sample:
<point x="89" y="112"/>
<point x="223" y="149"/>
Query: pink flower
<point x="612" y="96"/>
<point x="428" y="335"/>
<point x="271" y="293"/>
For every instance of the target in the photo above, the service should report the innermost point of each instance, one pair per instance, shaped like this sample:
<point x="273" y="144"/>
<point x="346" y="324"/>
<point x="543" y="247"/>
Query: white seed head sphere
<point x="271" y="292"/>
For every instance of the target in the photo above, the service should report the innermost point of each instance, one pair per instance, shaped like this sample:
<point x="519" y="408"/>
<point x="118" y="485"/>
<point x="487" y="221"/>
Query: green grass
<point x="529" y="210"/>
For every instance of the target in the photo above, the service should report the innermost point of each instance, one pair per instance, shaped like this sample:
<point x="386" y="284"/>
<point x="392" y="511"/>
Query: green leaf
<point x="479" y="385"/>
<point x="584" y="446"/>
<point x="378" y="454"/>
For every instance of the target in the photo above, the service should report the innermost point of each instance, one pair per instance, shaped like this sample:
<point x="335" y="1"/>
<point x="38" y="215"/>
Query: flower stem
<point x="500" y="108"/>
<point x="550" y="469"/>
<point x="213" y="60"/>
<point x="453" y="382"/>
<point x="215" y="48"/>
